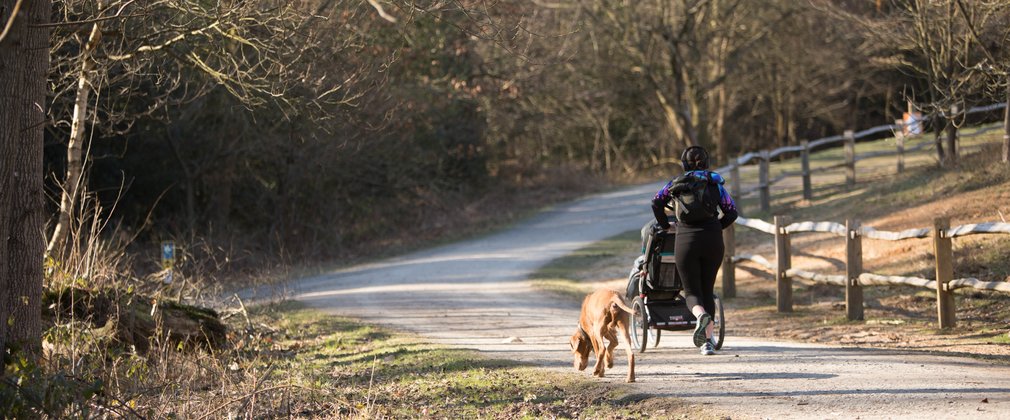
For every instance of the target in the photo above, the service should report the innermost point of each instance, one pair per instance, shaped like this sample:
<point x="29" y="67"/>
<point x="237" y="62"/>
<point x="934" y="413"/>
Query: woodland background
<point x="293" y="131"/>
<point x="268" y="137"/>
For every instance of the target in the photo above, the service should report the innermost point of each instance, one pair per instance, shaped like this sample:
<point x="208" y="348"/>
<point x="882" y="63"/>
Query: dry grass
<point x="113" y="347"/>
<point x="288" y="361"/>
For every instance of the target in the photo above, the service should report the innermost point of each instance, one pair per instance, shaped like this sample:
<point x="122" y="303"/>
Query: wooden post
<point x="853" y="268"/>
<point x="763" y="181"/>
<point x="728" y="266"/>
<point x="808" y="193"/>
<point x="850" y="159"/>
<point x="1006" y="126"/>
<point x="944" y="252"/>
<point x="784" y="297"/>
<point x="899" y="143"/>
<point x="734" y="181"/>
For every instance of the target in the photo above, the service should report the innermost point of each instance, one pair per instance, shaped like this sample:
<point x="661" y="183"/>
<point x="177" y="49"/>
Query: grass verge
<point x="285" y="360"/>
<point x="571" y="276"/>
<point x="348" y="369"/>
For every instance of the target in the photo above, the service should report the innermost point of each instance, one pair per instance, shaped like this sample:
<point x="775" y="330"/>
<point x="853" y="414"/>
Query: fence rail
<point x="746" y="158"/>
<point x="855" y="278"/>
<point x="849" y="138"/>
<point x="974" y="228"/>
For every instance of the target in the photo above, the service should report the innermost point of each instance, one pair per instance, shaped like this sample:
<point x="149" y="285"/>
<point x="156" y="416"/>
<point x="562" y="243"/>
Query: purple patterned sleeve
<point x="659" y="202"/>
<point x="663" y="195"/>
<point x="726" y="202"/>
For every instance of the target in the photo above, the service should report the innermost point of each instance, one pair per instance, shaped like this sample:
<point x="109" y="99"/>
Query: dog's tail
<point x="617" y="302"/>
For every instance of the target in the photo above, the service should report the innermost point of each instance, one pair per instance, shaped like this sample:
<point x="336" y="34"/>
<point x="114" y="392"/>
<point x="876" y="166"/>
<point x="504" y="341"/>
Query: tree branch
<point x="10" y="20"/>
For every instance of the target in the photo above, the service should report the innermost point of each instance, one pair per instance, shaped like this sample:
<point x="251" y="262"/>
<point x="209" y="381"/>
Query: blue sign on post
<point x="168" y="259"/>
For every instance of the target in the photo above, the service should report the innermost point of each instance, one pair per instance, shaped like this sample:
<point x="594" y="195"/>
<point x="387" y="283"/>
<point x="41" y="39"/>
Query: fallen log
<point x="131" y="319"/>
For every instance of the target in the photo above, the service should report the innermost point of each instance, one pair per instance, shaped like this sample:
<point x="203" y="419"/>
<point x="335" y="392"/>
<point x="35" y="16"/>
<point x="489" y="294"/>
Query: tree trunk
<point x="679" y="131"/>
<point x="719" y="130"/>
<point x="692" y="117"/>
<point x="189" y="180"/>
<point x="952" y="136"/>
<point x="75" y="159"/>
<point x="24" y="63"/>
<point x="778" y="106"/>
<point x="721" y="100"/>
<point x="951" y="143"/>
<point x="940" y="126"/>
<point x="219" y="202"/>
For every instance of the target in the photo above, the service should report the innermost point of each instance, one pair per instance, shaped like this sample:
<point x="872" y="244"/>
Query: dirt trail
<point x="473" y="295"/>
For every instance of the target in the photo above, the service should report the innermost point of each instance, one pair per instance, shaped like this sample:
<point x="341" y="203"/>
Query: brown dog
<point x="603" y="315"/>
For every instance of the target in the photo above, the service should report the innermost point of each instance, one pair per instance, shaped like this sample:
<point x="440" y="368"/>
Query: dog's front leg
<point x="601" y="350"/>
<point x="612" y="343"/>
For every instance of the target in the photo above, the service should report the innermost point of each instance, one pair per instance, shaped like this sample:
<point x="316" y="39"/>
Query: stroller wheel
<point x="639" y="326"/>
<point x="719" y="319"/>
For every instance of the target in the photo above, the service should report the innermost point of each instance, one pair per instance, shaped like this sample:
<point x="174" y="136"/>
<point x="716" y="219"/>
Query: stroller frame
<point x="657" y="293"/>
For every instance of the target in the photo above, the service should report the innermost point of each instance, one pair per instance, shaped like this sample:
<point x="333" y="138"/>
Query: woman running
<point x="698" y="249"/>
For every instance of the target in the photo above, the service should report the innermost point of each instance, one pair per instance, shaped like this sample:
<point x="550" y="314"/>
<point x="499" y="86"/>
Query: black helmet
<point x="694" y="158"/>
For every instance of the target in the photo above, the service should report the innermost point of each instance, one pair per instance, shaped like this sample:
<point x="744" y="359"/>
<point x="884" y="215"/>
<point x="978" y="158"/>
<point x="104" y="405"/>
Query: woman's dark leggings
<point x="698" y="256"/>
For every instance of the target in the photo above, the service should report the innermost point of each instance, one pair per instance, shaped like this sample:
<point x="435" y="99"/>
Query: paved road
<point x="472" y="294"/>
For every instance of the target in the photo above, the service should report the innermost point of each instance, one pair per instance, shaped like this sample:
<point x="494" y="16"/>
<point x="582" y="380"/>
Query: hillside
<point x="896" y="317"/>
<point x="900" y="317"/>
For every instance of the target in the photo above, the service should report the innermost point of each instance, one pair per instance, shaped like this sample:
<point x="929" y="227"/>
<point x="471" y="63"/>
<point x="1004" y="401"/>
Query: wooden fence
<point x="849" y="138"/>
<point x="855" y="278"/>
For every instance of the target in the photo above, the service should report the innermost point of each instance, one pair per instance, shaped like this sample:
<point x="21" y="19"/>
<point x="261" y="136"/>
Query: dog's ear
<point x="579" y="350"/>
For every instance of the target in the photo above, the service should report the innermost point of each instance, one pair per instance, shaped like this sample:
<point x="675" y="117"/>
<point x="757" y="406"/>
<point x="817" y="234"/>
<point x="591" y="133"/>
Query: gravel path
<point x="473" y="294"/>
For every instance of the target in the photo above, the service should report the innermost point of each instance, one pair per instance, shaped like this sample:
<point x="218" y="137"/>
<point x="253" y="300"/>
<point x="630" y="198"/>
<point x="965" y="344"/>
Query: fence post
<point x="784" y="297"/>
<point x="1006" y="127"/>
<point x="944" y="252"/>
<point x="850" y="158"/>
<point x="763" y="181"/>
<point x="899" y="142"/>
<point x="853" y="268"/>
<point x="728" y="266"/>
<point x="734" y="180"/>
<point x="808" y="193"/>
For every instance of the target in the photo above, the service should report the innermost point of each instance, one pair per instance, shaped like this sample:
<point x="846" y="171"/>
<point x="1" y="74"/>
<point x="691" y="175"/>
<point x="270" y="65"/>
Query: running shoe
<point x="707" y="349"/>
<point x="699" y="329"/>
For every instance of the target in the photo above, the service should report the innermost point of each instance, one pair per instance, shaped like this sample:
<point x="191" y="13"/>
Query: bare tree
<point x="808" y="78"/>
<point x="939" y="42"/>
<point x="173" y="52"/>
<point x="687" y="51"/>
<point x="986" y="23"/>
<point x="75" y="165"/>
<point x="640" y="80"/>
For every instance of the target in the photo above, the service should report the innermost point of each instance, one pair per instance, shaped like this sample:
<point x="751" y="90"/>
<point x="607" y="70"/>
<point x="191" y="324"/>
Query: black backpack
<point x="696" y="199"/>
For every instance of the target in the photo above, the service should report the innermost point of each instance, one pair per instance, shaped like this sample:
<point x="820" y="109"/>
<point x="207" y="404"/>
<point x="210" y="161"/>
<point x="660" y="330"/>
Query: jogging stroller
<point x="657" y="293"/>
